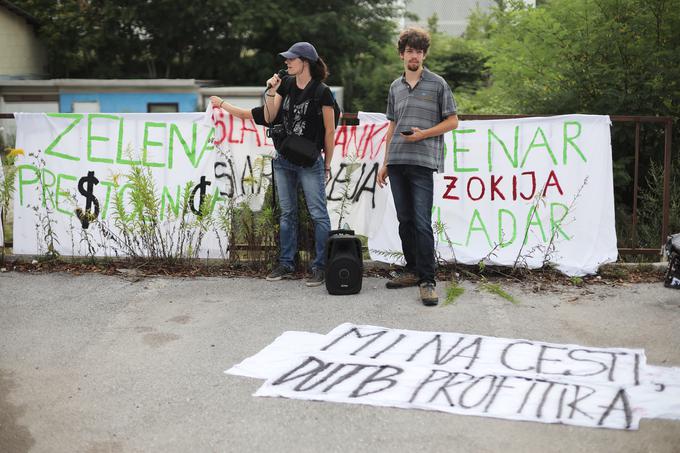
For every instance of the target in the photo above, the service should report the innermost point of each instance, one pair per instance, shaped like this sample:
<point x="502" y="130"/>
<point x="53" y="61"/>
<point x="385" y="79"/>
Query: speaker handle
<point x="341" y="231"/>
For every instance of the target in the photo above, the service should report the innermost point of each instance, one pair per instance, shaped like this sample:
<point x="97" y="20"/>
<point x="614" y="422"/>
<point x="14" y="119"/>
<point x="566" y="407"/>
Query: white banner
<point x="469" y="375"/>
<point x="79" y="168"/>
<point x="524" y="192"/>
<point x="515" y="192"/>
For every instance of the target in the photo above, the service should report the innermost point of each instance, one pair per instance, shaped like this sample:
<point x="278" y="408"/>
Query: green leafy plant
<point x="350" y="165"/>
<point x="651" y="201"/>
<point x="576" y="281"/>
<point x="46" y="237"/>
<point x="8" y="158"/>
<point x="453" y="292"/>
<point x="495" y="288"/>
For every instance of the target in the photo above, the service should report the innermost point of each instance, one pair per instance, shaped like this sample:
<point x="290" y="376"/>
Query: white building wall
<point x="21" y="54"/>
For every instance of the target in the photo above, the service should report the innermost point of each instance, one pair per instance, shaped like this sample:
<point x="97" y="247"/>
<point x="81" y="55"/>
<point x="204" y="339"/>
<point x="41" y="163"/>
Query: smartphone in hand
<point x="406" y="132"/>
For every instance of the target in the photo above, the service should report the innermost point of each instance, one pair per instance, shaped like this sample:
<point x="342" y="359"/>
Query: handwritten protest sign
<point x="83" y="161"/>
<point x="530" y="191"/>
<point x="469" y="375"/>
<point x="79" y="163"/>
<point x="526" y="191"/>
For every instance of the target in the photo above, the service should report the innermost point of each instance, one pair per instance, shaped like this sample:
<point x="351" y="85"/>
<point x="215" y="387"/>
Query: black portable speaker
<point x="344" y="266"/>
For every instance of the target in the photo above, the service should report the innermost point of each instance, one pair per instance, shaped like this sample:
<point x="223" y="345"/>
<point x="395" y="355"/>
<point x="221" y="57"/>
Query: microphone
<point x="282" y="73"/>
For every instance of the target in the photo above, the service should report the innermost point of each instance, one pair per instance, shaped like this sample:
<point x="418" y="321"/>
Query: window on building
<point x="162" y="107"/>
<point x="86" y="107"/>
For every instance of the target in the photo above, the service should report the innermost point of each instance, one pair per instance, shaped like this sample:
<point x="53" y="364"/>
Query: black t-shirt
<point x="305" y="119"/>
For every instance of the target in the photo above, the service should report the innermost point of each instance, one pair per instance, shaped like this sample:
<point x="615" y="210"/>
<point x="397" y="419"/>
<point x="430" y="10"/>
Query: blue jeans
<point x="412" y="188"/>
<point x="313" y="179"/>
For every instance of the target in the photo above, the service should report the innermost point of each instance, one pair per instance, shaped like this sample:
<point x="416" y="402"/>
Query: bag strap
<point x="288" y="90"/>
<point x="318" y="92"/>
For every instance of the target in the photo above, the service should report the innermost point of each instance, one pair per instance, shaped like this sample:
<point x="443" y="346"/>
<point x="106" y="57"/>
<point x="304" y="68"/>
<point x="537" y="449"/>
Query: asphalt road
<point x="118" y="364"/>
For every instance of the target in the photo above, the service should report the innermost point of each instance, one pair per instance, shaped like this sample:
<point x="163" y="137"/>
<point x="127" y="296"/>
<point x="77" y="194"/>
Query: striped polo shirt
<point x="424" y="106"/>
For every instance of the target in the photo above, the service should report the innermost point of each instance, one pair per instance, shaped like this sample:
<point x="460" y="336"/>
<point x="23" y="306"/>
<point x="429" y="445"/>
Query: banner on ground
<point x="468" y="375"/>
<point x="514" y="192"/>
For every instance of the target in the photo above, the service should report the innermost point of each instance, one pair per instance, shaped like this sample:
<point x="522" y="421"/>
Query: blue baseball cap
<point x="301" y="49"/>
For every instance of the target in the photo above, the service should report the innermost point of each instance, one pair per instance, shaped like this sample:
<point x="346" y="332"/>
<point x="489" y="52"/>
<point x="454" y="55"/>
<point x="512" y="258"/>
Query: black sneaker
<point x="316" y="279"/>
<point x="279" y="273"/>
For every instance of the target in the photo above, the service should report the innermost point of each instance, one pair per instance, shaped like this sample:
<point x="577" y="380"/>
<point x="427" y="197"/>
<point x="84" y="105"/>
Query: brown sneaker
<point x="428" y="295"/>
<point x="402" y="280"/>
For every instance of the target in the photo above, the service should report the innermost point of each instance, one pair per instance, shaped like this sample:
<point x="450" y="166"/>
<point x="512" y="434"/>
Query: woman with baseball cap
<point x="310" y="116"/>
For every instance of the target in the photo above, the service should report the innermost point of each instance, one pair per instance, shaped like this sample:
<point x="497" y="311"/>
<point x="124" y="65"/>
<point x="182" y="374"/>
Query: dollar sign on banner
<point x="85" y="216"/>
<point x="202" y="187"/>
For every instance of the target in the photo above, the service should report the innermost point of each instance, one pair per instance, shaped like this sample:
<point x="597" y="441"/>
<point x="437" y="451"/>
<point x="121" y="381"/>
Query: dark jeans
<point x="412" y="187"/>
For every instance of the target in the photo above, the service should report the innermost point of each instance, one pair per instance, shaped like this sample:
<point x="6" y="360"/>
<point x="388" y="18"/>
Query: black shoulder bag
<point x="295" y="148"/>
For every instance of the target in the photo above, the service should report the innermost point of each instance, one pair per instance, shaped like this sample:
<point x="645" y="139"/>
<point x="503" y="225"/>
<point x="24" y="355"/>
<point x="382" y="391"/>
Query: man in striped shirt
<point x="420" y="108"/>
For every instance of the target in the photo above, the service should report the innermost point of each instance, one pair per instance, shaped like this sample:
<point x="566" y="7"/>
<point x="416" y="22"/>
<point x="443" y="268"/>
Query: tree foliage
<point x="460" y="62"/>
<point x="234" y="41"/>
<point x="595" y="56"/>
<point x="590" y="56"/>
<point x="238" y="42"/>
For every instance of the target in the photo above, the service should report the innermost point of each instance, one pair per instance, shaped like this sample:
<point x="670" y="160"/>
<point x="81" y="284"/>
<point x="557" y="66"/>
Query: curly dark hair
<point x="414" y="37"/>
